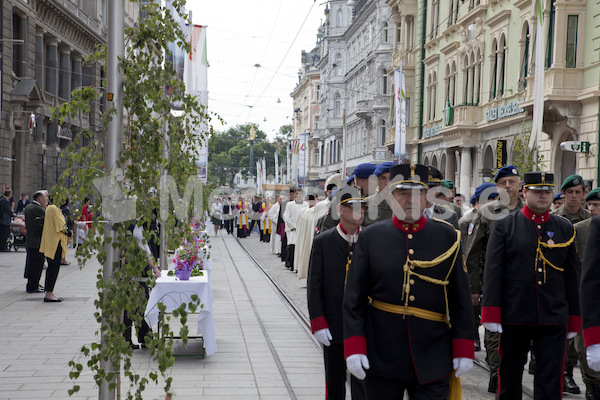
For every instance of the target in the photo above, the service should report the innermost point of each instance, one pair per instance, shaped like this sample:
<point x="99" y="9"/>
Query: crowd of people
<point x="401" y="274"/>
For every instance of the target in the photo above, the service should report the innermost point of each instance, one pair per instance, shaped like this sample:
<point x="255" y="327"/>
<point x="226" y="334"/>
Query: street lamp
<point x="252" y="137"/>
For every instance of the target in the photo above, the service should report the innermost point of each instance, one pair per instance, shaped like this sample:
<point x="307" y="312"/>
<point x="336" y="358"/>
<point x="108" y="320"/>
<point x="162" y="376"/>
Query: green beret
<point x="571" y="181"/>
<point x="447" y="183"/>
<point x="593" y="195"/>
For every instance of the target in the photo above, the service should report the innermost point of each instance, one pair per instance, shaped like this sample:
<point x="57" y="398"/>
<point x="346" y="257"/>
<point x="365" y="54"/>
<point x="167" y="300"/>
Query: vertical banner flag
<point x="400" y="142"/>
<point x="264" y="170"/>
<point x="294" y="176"/>
<point x="344" y="176"/>
<point x="287" y="164"/>
<point x="276" y="168"/>
<point x="538" y="85"/>
<point x="302" y="159"/>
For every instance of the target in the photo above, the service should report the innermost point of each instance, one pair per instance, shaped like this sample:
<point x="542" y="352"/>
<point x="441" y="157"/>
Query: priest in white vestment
<point x="290" y="217"/>
<point x="304" y="239"/>
<point x="275" y="243"/>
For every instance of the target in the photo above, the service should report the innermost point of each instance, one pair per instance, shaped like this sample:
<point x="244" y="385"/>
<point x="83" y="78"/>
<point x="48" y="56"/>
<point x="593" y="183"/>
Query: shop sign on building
<point x="504" y="111"/>
<point x="431" y="132"/>
<point x="501" y="154"/>
<point x="577" y="147"/>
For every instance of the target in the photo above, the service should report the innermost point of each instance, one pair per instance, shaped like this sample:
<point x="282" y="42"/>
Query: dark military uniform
<point x="405" y="333"/>
<point x="530" y="286"/>
<point x="445" y="213"/>
<point x="34" y="263"/>
<point x="384" y="211"/>
<point x="330" y="256"/>
<point x="590" y="286"/>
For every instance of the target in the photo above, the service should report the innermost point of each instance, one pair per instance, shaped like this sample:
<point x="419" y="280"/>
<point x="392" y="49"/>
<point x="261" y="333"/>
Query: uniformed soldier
<point x="508" y="184"/>
<point x="410" y="339"/>
<point x="444" y="210"/>
<point x="573" y="189"/>
<point x="488" y="191"/>
<point x="378" y="207"/>
<point x="449" y="200"/>
<point x="361" y="175"/>
<point x="558" y="200"/>
<point x="530" y="291"/>
<point x="590" y="294"/>
<point x="590" y="377"/>
<point x="330" y="259"/>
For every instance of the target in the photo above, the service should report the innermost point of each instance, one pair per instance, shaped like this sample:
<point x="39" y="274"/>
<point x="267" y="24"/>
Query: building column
<point x="39" y="58"/>
<point x="450" y="165"/>
<point x="477" y="82"/>
<point x="403" y="33"/>
<point x="76" y="72"/>
<point x="470" y="76"/>
<point x="465" y="171"/>
<point x="52" y="67"/>
<point x="64" y="74"/>
<point x="499" y="72"/>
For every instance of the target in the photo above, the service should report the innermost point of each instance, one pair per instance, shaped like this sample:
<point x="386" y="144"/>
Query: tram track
<point x="305" y="323"/>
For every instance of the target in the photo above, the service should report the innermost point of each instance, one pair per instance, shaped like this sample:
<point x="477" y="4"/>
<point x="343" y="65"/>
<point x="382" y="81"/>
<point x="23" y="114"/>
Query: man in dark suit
<point x="228" y="215"/>
<point x="34" y="223"/>
<point x="404" y="337"/>
<point x="436" y="207"/>
<point x="330" y="259"/>
<point x="6" y="215"/>
<point x="530" y="291"/>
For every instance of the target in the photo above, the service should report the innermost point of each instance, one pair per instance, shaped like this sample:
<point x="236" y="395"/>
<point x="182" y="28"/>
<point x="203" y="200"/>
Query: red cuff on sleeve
<point x="591" y="335"/>
<point x="491" y="314"/>
<point x="463" y="348"/>
<point x="574" y="323"/>
<point x="318" y="323"/>
<point x="355" y="345"/>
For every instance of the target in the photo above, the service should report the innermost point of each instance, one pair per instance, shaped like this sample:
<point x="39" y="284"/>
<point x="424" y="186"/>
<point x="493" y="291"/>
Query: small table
<point x="172" y="293"/>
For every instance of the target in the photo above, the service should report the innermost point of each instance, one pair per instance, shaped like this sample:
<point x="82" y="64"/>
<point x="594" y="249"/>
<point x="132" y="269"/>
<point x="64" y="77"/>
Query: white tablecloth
<point x="172" y="293"/>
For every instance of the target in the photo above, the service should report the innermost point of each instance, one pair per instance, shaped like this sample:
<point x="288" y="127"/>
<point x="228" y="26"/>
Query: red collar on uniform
<point x="408" y="228"/>
<point x="346" y="233"/>
<point x="530" y="215"/>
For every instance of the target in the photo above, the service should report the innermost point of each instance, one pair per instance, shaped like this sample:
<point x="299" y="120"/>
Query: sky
<point x="254" y="53"/>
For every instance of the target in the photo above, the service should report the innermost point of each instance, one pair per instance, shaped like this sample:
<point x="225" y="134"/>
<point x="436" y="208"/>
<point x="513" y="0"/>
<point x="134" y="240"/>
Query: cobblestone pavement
<point x="474" y="384"/>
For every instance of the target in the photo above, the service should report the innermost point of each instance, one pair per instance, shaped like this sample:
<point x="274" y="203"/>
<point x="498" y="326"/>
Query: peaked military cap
<point x="509" y="170"/>
<point x="434" y="177"/>
<point x="364" y="170"/>
<point x="593" y="195"/>
<point x="573" y="180"/>
<point x="539" y="181"/>
<point x="383" y="168"/>
<point x="351" y="195"/>
<point x="409" y="176"/>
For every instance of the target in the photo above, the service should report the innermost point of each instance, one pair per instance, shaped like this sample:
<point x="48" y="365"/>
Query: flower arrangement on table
<point x="187" y="262"/>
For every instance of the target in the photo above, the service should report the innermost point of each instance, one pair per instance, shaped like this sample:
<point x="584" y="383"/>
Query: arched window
<point x="434" y="94"/>
<point x="453" y="84"/>
<point x="339" y="18"/>
<point x="465" y="71"/>
<point x="337" y="105"/>
<point x="384" y="82"/>
<point x="316" y="157"/>
<point x="385" y="33"/>
<point x="382" y="130"/>
<point x="494" y="71"/>
<point x="477" y="78"/>
<point x="501" y="65"/>
<point x="524" y="70"/>
<point x="447" y="83"/>
<point x="429" y="98"/>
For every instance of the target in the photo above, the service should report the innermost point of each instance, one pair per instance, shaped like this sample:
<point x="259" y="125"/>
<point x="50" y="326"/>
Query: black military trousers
<point x="549" y="343"/>
<point x="34" y="265"/>
<point x="378" y="388"/>
<point x="335" y="375"/>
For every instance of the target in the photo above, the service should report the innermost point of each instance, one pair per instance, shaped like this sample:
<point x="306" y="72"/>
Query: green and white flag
<point x="538" y="85"/>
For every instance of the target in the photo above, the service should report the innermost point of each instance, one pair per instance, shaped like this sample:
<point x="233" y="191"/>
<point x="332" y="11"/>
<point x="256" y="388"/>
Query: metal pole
<point x="163" y="173"/>
<point x="112" y="146"/>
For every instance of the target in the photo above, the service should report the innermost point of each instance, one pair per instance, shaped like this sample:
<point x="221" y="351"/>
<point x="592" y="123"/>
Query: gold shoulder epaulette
<point x="444" y="221"/>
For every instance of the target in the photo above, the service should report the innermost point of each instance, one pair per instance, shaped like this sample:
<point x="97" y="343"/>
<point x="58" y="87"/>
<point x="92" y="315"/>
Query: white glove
<point x="492" y="327"/>
<point x="592" y="354"/>
<point x="571" y="335"/>
<point x="461" y="366"/>
<point x="356" y="364"/>
<point x="323" y="336"/>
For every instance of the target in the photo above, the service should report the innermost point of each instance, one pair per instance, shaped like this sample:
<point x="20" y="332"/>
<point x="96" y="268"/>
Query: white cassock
<point x="321" y="209"/>
<point x="290" y="217"/>
<point x="306" y="233"/>
<point x="275" y="243"/>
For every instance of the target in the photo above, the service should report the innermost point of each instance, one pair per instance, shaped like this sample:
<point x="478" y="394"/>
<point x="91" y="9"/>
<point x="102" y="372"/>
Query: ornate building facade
<point x="469" y="74"/>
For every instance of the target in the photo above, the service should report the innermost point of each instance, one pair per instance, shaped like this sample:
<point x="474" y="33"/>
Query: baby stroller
<point x="16" y="238"/>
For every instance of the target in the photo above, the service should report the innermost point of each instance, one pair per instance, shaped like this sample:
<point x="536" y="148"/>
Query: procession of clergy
<point x="400" y="274"/>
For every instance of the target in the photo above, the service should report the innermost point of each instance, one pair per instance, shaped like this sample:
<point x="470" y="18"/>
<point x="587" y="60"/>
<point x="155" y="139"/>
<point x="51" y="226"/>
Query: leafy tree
<point x="137" y="174"/>
<point x="524" y="159"/>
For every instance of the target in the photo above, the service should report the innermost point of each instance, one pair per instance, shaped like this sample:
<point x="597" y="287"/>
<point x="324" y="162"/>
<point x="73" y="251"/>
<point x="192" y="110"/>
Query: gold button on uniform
<point x="412" y="281"/>
<point x="412" y="298"/>
<point x="539" y="282"/>
<point x="411" y="251"/>
<point x="412" y="267"/>
<point x="539" y="227"/>
<point x="410" y="236"/>
<point x="540" y="270"/>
